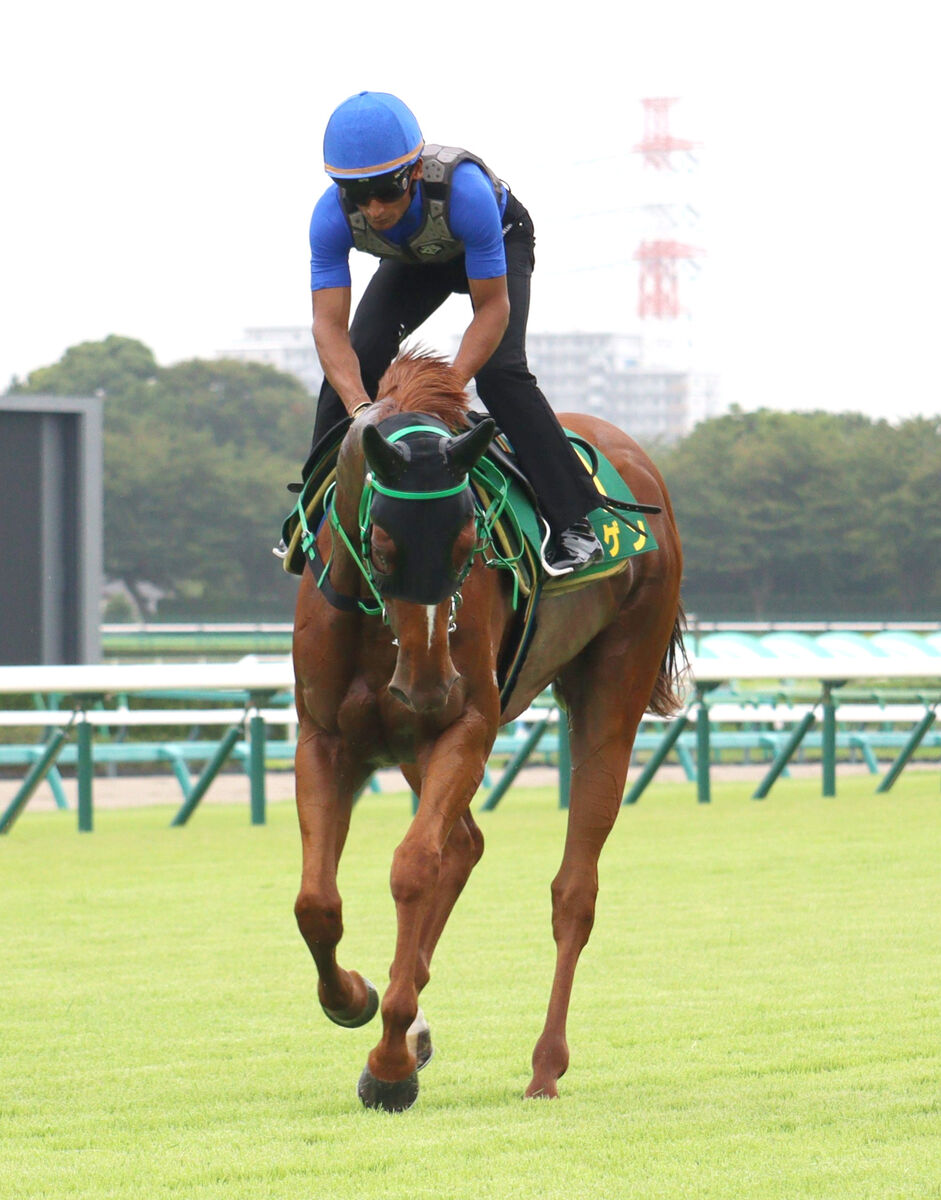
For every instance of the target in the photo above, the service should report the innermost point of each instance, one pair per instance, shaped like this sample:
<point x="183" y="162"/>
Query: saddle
<point x="514" y="530"/>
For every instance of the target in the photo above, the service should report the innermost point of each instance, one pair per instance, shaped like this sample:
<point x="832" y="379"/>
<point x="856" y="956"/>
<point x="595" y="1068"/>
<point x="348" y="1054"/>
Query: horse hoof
<point x="392" y="1097"/>
<point x="418" y="1040"/>
<point x="338" y="1017"/>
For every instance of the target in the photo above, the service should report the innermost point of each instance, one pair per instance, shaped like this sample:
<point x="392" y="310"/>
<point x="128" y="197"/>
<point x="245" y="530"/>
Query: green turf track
<point x="758" y="1013"/>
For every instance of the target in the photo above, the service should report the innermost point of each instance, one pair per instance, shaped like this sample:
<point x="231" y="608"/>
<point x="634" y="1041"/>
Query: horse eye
<point x="380" y="561"/>
<point x="463" y="545"/>
<point x="382" y="551"/>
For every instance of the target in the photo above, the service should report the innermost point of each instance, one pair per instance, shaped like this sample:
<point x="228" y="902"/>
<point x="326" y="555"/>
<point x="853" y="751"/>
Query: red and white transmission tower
<point x="659" y="256"/>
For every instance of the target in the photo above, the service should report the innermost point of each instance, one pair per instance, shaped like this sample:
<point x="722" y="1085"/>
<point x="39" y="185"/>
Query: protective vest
<point x="433" y="241"/>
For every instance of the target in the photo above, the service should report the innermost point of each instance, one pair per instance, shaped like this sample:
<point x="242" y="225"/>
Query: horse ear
<point x="464" y="451"/>
<point x="385" y="458"/>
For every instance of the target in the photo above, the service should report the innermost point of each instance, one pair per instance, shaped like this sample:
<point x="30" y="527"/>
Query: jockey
<point x="440" y="222"/>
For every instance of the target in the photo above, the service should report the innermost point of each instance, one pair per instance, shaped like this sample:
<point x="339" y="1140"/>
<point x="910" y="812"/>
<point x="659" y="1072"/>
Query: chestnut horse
<point x="399" y="666"/>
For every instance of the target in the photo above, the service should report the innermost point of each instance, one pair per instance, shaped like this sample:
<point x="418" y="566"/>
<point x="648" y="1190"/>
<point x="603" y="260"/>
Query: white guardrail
<point x="274" y="675"/>
<point x="79" y="689"/>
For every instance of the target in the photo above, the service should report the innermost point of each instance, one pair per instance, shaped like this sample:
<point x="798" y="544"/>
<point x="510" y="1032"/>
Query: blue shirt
<point x="473" y="217"/>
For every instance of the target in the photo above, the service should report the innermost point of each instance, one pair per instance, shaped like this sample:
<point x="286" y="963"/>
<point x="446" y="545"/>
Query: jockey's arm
<point x="331" y="307"/>
<point x="485" y="332"/>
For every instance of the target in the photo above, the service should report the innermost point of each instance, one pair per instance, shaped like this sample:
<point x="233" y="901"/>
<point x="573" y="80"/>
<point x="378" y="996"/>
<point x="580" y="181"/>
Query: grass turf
<point x="756" y="1015"/>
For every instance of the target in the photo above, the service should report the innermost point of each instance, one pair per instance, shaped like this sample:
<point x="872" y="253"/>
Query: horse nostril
<point x="398" y="694"/>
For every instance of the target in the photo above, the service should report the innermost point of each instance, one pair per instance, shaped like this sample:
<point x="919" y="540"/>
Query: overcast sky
<point x="160" y="162"/>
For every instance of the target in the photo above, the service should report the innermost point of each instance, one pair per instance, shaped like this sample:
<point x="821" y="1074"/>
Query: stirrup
<point x="546" y="566"/>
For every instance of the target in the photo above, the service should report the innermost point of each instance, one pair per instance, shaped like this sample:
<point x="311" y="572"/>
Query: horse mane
<point x="418" y="381"/>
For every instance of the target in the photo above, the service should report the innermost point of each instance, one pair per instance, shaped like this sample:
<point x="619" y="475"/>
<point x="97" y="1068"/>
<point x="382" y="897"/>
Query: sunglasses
<point x="385" y="188"/>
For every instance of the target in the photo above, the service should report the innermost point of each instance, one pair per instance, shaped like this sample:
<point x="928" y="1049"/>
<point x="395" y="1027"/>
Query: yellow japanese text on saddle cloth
<point x="518" y="531"/>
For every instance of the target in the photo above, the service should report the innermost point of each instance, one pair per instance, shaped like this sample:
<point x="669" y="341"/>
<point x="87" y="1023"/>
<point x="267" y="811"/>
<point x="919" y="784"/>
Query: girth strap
<point x="321" y="572"/>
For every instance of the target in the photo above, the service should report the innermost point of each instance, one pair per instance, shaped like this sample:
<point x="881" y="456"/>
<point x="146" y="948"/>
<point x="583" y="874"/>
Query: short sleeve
<point x="331" y="240"/>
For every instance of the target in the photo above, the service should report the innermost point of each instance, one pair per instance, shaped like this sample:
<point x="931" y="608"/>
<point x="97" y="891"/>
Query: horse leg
<point x="462" y="851"/>
<point x="426" y="880"/>
<point x="605" y="708"/>
<point x="325" y="791"/>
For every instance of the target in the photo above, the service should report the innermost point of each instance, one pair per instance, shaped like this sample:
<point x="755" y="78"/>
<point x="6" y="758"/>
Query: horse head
<point x="418" y="531"/>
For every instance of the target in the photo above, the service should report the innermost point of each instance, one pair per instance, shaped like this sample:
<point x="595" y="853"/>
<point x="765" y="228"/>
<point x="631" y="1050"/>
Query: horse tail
<point x="667" y="698"/>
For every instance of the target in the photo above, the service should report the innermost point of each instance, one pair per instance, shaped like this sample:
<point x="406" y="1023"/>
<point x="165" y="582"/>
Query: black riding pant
<point x="396" y="301"/>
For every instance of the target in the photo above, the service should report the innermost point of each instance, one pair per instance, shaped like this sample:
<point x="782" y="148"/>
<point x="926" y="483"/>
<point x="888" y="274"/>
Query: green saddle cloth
<point x="518" y="531"/>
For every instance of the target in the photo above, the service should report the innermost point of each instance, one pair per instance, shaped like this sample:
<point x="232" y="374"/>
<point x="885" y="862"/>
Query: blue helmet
<point x="371" y="133"/>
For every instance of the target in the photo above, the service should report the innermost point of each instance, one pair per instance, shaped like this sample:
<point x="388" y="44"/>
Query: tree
<point x="197" y="456"/>
<point x="795" y="514"/>
<point x="116" y="366"/>
<point x="910" y="517"/>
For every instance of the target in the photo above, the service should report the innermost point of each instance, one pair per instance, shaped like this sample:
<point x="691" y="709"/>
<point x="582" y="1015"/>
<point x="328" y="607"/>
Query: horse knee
<point x="320" y="919"/>
<point x="573" y="910"/>
<point x="415" y="871"/>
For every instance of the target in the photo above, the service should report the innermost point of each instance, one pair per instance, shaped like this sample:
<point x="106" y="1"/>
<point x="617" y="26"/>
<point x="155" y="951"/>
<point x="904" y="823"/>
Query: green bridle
<point x="486" y="520"/>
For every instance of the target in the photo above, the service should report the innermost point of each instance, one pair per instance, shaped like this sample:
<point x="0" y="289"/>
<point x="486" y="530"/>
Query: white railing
<point x="87" y="690"/>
